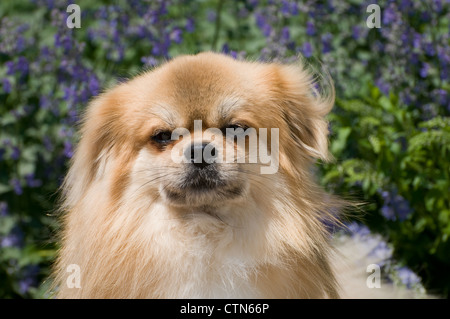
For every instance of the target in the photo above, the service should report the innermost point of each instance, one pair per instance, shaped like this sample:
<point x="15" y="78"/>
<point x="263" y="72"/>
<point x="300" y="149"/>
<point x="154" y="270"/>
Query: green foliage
<point x="381" y="147"/>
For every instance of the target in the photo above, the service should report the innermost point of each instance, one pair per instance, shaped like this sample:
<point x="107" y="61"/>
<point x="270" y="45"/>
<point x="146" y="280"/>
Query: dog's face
<point x="164" y="200"/>
<point x="198" y="101"/>
<point x="164" y="133"/>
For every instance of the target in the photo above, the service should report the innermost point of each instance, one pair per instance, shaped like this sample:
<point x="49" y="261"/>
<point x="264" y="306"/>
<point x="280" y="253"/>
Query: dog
<point x="138" y="222"/>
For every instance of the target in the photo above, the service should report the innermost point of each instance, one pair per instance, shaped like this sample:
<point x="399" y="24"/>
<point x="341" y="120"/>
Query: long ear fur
<point x="101" y="122"/>
<point x="304" y="107"/>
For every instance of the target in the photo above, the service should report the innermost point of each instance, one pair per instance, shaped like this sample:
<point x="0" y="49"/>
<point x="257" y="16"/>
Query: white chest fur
<point x="201" y="256"/>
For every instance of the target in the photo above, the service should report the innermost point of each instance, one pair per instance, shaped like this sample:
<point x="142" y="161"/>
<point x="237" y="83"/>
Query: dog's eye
<point x="163" y="137"/>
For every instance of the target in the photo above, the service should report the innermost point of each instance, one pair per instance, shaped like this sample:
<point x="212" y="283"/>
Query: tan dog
<point x="139" y="225"/>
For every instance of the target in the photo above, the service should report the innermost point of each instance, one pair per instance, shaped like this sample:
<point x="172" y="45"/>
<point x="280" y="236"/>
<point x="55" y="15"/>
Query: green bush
<point x="399" y="166"/>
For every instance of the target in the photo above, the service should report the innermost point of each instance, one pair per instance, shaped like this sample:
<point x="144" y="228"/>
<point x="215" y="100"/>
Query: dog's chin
<point x="203" y="195"/>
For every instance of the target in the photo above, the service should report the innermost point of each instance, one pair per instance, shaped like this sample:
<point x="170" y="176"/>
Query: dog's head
<point x="202" y="131"/>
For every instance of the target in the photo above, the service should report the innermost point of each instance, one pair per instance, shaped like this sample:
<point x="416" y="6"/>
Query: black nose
<point x="201" y="154"/>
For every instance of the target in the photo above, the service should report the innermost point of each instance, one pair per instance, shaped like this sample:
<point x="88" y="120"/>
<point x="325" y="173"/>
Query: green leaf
<point x="429" y="203"/>
<point x="26" y="167"/>
<point x="385" y="103"/>
<point x="375" y="92"/>
<point x="7" y="224"/>
<point x="340" y="142"/>
<point x="375" y="142"/>
<point x="331" y="176"/>
<point x="5" y="188"/>
<point x="420" y="225"/>
<point x="7" y="119"/>
<point x="444" y="217"/>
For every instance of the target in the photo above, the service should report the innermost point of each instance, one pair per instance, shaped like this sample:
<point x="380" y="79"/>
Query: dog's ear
<point x="99" y="133"/>
<point x="304" y="107"/>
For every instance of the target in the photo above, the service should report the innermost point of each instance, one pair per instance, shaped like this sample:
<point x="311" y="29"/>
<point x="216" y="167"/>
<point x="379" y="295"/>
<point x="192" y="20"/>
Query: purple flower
<point x="443" y="56"/>
<point x="417" y="40"/>
<point x="31" y="181"/>
<point x="425" y="17"/>
<point x="437" y="5"/>
<point x="307" y="49"/>
<point x="162" y="10"/>
<point x="381" y="251"/>
<point x="211" y="15"/>
<point x="68" y="149"/>
<point x="407" y="97"/>
<point x="20" y="44"/>
<point x="424" y="70"/>
<point x="383" y="86"/>
<point x="149" y="61"/>
<point x="190" y="26"/>
<point x="15" y="183"/>
<point x="22" y="65"/>
<point x="294" y="8"/>
<point x="176" y="36"/>
<point x="310" y="28"/>
<point x="395" y="206"/>
<point x="153" y="17"/>
<point x="10" y="240"/>
<point x="15" y="153"/>
<point x="13" y="239"/>
<point x="357" y="229"/>
<point x="441" y="97"/>
<point x="253" y="3"/>
<point x="326" y="42"/>
<point x="25" y="284"/>
<point x="388" y="212"/>
<point x="226" y="48"/>
<point x="406" y="5"/>
<point x="267" y="30"/>
<point x="6" y="85"/>
<point x="10" y="67"/>
<point x="285" y="36"/>
<point x="356" y="32"/>
<point x="94" y="85"/>
<point x="72" y="116"/>
<point x="414" y="58"/>
<point x="389" y="15"/>
<point x="429" y="111"/>
<point x="285" y="7"/>
<point x="12" y="40"/>
<point x="260" y="20"/>
<point x="407" y="277"/>
<point x="44" y="102"/>
<point x="378" y="248"/>
<point x="402" y="208"/>
<point x="70" y="93"/>
<point x="161" y="48"/>
<point x="65" y="132"/>
<point x="444" y="73"/>
<point x="29" y="278"/>
<point x="429" y="48"/>
<point x="4" y="209"/>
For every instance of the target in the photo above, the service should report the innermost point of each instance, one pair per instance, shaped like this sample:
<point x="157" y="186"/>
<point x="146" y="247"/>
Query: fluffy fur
<point x="131" y="240"/>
